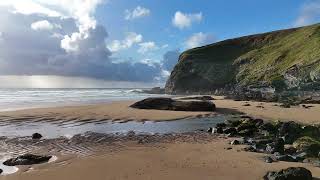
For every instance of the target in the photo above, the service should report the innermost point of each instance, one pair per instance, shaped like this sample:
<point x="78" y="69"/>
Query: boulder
<point x="202" y="98"/>
<point x="27" y="159"/>
<point x="1" y="171"/>
<point x="36" y="136"/>
<point x="287" y="158"/>
<point x="230" y="130"/>
<point x="290" y="131"/>
<point x="292" y="173"/>
<point x="174" y="105"/>
<point x="311" y="131"/>
<point x="276" y="146"/>
<point x="308" y="145"/>
<point x="235" y="142"/>
<point x="155" y="90"/>
<point x="268" y="159"/>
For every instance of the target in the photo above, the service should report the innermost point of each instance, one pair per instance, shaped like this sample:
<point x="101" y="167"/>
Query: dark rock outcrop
<point x="27" y="159"/>
<point x="36" y="136"/>
<point x="174" y="105"/>
<point x="202" y="98"/>
<point x="292" y="173"/>
<point x="155" y="90"/>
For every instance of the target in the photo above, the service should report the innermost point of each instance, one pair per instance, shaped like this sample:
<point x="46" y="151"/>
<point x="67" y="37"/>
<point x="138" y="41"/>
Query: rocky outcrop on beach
<point x="292" y="173"/>
<point x="36" y="136"/>
<point x="155" y="90"/>
<point x="174" y="105"/>
<point x="283" y="141"/>
<point x="27" y="159"/>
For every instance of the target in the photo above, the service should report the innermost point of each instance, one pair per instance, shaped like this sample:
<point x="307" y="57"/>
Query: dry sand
<point x="187" y="161"/>
<point x="120" y="111"/>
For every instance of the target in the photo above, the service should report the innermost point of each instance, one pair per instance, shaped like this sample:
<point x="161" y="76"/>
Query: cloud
<point x="130" y="39"/>
<point x="24" y="51"/>
<point x="182" y="21"/>
<point x="199" y="39"/>
<point x="28" y="7"/>
<point x="136" y="13"/>
<point x="43" y="25"/>
<point x="147" y="46"/>
<point x="310" y="13"/>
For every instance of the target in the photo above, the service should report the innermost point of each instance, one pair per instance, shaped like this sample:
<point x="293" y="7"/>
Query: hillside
<point x="285" y="59"/>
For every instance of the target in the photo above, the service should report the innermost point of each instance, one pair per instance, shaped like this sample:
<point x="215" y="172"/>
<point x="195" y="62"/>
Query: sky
<point x="101" y="43"/>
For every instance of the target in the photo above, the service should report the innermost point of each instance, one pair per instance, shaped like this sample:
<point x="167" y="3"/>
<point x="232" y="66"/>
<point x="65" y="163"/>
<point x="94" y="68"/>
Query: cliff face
<point x="285" y="59"/>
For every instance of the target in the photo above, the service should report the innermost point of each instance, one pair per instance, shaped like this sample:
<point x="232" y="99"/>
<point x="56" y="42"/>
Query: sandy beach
<point x="120" y="111"/>
<point x="160" y="160"/>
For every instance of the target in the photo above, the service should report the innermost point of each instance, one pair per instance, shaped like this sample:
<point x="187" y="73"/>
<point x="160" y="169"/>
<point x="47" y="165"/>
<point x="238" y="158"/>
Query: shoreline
<point x="120" y="111"/>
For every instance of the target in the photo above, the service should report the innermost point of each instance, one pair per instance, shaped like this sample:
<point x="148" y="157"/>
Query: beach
<point x="120" y="111"/>
<point x="203" y="156"/>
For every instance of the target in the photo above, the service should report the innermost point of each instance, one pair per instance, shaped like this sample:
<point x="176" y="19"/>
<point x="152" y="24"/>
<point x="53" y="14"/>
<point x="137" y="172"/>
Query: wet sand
<point x="160" y="160"/>
<point x="171" y="161"/>
<point x="120" y="111"/>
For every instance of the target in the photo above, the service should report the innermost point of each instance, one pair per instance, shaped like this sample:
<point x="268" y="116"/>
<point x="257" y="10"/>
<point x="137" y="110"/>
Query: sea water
<point x="15" y="99"/>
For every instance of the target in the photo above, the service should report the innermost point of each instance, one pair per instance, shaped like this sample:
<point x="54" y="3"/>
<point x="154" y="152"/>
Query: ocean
<point x="15" y="99"/>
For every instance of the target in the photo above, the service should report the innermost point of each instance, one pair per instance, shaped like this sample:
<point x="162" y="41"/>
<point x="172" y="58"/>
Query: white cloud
<point x="199" y="39"/>
<point x="42" y="25"/>
<point x="81" y="10"/>
<point x="138" y="12"/>
<point x="310" y="13"/>
<point x="131" y="39"/>
<point x="147" y="46"/>
<point x="28" y="7"/>
<point x="182" y="21"/>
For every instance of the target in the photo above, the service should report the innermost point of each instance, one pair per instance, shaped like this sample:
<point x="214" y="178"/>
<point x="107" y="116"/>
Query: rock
<point x="287" y="158"/>
<point x="235" y="142"/>
<point x="27" y="159"/>
<point x="268" y="159"/>
<point x="311" y="131"/>
<point x="230" y="130"/>
<point x="174" y="105"/>
<point x="155" y="90"/>
<point x="36" y="136"/>
<point x="290" y="150"/>
<point x="246" y="132"/>
<point x="285" y="105"/>
<point x="290" y="131"/>
<point x="247" y="104"/>
<point x="202" y="98"/>
<point x="269" y="127"/>
<point x="276" y="146"/>
<point x="1" y="171"/>
<point x="228" y="148"/>
<point x="247" y="124"/>
<point x="221" y="125"/>
<point x="308" y="145"/>
<point x="215" y="130"/>
<point x="233" y="123"/>
<point x="292" y="173"/>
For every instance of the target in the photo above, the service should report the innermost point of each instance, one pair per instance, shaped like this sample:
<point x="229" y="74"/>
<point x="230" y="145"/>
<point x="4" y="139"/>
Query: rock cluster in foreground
<point x="174" y="105"/>
<point x="284" y="141"/>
